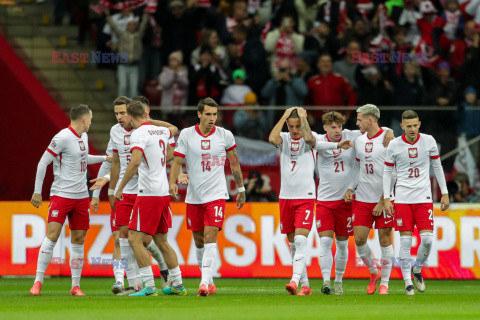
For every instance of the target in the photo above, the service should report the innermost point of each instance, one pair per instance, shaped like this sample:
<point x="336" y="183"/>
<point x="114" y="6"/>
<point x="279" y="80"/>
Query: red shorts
<point x="202" y="215"/>
<point x="295" y="214"/>
<point x="336" y="216"/>
<point x="123" y="209"/>
<point x="112" y="221"/>
<point x="77" y="210"/>
<point x="151" y="215"/>
<point x="409" y="215"/>
<point x="363" y="216"/>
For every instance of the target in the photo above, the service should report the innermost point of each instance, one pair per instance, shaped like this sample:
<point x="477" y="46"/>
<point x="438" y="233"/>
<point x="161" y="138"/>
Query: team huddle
<point x="360" y="173"/>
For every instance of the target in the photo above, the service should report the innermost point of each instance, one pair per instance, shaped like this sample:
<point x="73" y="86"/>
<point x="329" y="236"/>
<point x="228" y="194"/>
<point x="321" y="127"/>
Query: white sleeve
<point x="229" y="141"/>
<point x="91" y="159"/>
<point x="387" y="174"/>
<point x="283" y="136"/>
<point x="323" y="145"/>
<point x="437" y="166"/>
<point x="181" y="147"/>
<point x="171" y="142"/>
<point x="356" y="175"/>
<point x="138" y="141"/>
<point x="46" y="159"/>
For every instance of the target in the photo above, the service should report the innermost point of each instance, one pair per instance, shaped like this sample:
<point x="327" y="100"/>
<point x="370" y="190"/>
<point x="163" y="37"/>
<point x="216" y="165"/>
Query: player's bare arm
<point x="44" y="162"/>
<point x="389" y="136"/>
<point x="237" y="174"/>
<point x="129" y="173"/>
<point x="171" y="127"/>
<point x="345" y="144"/>
<point x="114" y="175"/>
<point x="95" y="204"/>
<point x="174" y="172"/>
<point x="306" y="131"/>
<point x="274" y="137"/>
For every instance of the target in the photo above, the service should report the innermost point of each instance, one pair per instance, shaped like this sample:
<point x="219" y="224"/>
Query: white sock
<point x="366" y="254"/>
<point x="133" y="272"/>
<point x="299" y="262"/>
<point x="118" y="271"/>
<point x="326" y="258"/>
<point x="200" y="252"/>
<point x="157" y="255"/>
<point x="147" y="277"/>
<point x="341" y="259"/>
<point x="406" y="259"/>
<point x="76" y="263"/>
<point x="44" y="256"/>
<point x="387" y="256"/>
<point x="176" y="276"/>
<point x="423" y="250"/>
<point x="208" y="262"/>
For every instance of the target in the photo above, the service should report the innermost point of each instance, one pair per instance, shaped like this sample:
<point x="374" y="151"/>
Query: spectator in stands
<point x="179" y="24"/>
<point x="254" y="61"/>
<point x="470" y="68"/>
<point x="174" y="82"/>
<point x="361" y="33"/>
<point x="238" y="13"/>
<point x="236" y="48"/>
<point x="210" y="39"/>
<point x="256" y="190"/>
<point x="444" y="89"/>
<point x="346" y="67"/>
<point x="321" y="41"/>
<point x="400" y="44"/>
<point x="460" y="190"/>
<point x="284" y="43"/>
<point x="470" y="119"/>
<point x="130" y="42"/>
<point x="234" y="94"/>
<point x="329" y="89"/>
<point x="206" y="78"/>
<point x="371" y="88"/>
<point x="250" y="123"/>
<point x="120" y="20"/>
<point x="304" y="65"/>
<point x="408" y="90"/>
<point x="273" y="11"/>
<point x="307" y="13"/>
<point x="453" y="19"/>
<point x="80" y="12"/>
<point x="339" y="15"/>
<point x="469" y="39"/>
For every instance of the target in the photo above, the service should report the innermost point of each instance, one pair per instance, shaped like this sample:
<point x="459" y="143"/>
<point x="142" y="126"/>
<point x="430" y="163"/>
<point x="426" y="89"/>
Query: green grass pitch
<point x="239" y="299"/>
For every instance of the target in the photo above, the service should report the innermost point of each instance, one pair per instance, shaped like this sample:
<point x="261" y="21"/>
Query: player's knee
<point x="146" y="242"/>
<point x="77" y="239"/>
<point x="360" y="242"/>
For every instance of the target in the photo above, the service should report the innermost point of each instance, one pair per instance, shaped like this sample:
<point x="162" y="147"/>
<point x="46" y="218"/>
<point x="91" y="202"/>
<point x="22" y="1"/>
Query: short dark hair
<point x="78" y="111"/>
<point x="136" y="109"/>
<point x="241" y="28"/>
<point x="121" y="100"/>
<point x="206" y="102"/>
<point x="333" y="117"/>
<point x="142" y="99"/>
<point x="294" y="115"/>
<point x="409" y="114"/>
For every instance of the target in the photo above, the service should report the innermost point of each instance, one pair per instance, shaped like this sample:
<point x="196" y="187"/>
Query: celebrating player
<point x="334" y="214"/>
<point x="297" y="190"/>
<point x="68" y="194"/>
<point x="368" y="206"/>
<point x="205" y="148"/>
<point x="412" y="154"/>
<point x="151" y="212"/>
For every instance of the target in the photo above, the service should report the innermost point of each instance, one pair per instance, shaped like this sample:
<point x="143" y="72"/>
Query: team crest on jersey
<point x="412" y="152"/>
<point x="295" y="146"/>
<point x="54" y="213"/>
<point x="82" y="145"/>
<point x="399" y="222"/>
<point x="369" y="147"/>
<point x="126" y="140"/>
<point x="336" y="152"/>
<point x="205" y="144"/>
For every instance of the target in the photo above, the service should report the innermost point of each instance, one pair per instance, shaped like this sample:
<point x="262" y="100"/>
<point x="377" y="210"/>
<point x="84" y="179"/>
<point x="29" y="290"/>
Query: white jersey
<point x="120" y="142"/>
<point x="412" y="161"/>
<point x="335" y="168"/>
<point x="297" y="166"/>
<point x="370" y="155"/>
<point x="70" y="165"/>
<point x="152" y="174"/>
<point x="205" y="158"/>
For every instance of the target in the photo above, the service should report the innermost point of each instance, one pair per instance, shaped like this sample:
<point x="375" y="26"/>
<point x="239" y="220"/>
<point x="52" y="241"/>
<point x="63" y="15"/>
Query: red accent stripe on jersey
<point x="197" y="128"/>
<point x="378" y="133"/>
<point x="146" y="160"/>
<point x="74" y="132"/>
<point x="232" y="147"/>
<point x="53" y="153"/>
<point x="313" y="155"/>
<point x="435" y="157"/>
<point x="128" y="130"/>
<point x="178" y="154"/>
<point x="145" y="124"/>
<point x="60" y="160"/>
<point x="171" y="134"/>
<point x="326" y="136"/>
<point x="389" y="164"/>
<point x="404" y="138"/>
<point x="173" y="145"/>
<point x="358" y="159"/>
<point x="115" y="150"/>
<point x="136" y="148"/>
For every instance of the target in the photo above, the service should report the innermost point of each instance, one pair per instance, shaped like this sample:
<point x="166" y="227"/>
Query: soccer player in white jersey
<point x="412" y="154"/>
<point x="334" y="214"/>
<point x="368" y="207"/>
<point x="151" y="212"/>
<point x="68" y="151"/>
<point x="297" y="190"/>
<point x="205" y="148"/>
